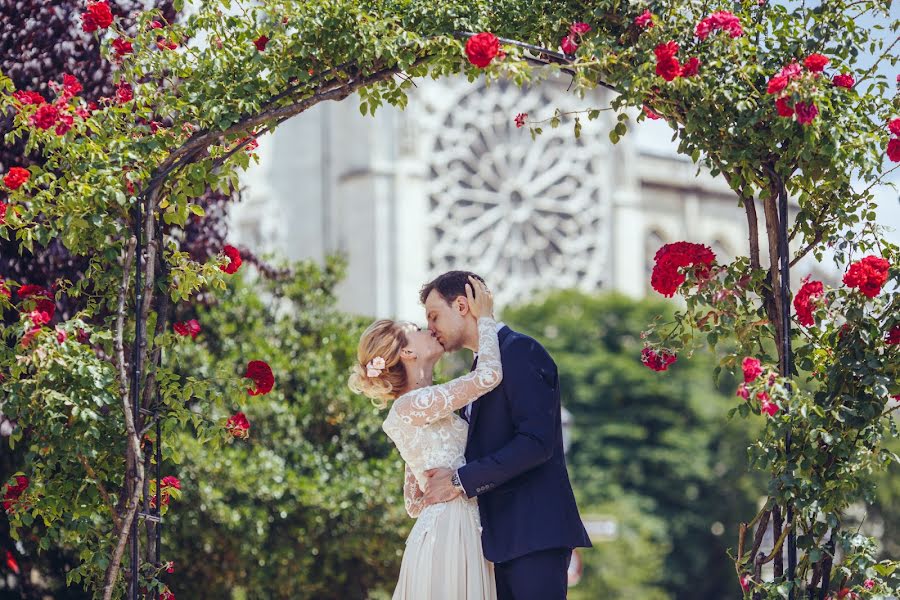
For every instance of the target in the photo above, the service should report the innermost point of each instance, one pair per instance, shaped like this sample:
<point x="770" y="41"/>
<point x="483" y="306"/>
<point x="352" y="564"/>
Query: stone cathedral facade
<point x="450" y="182"/>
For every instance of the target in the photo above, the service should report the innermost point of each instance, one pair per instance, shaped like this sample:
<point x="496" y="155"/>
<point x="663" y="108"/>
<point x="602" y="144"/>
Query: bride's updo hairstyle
<point x="378" y="374"/>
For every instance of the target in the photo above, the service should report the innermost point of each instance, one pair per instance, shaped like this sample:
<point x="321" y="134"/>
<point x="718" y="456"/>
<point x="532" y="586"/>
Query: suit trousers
<point x="540" y="575"/>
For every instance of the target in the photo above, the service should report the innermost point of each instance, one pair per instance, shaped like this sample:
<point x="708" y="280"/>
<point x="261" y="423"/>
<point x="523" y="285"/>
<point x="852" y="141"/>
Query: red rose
<point x="766" y="405"/>
<point x="666" y="50"/>
<point x="776" y="84"/>
<point x="721" y="20"/>
<point x="894" y="126"/>
<point x="893" y="336"/>
<point x="185" y="328"/>
<point x="30" y="335"/>
<point x="806" y="112"/>
<point x="11" y="562"/>
<point x="658" y="361"/>
<point x="46" y="306"/>
<point x="651" y="114"/>
<point x="261" y="42"/>
<point x="666" y="277"/>
<point x="238" y="426"/>
<point x="39" y="317"/>
<point x="3" y="207"/>
<point x="166" y="594"/>
<point x="815" y="62"/>
<point x="783" y="107"/>
<point x="29" y="289"/>
<point x="234" y="257"/>
<point x="844" y="80"/>
<point x="667" y="65"/>
<point x="16" y="177"/>
<point x="26" y="97"/>
<point x="742" y="391"/>
<point x="791" y="71"/>
<point x="690" y="68"/>
<point x="124" y="93"/>
<point x="261" y="374"/>
<point x="482" y="48"/>
<point x="868" y="584"/>
<point x="71" y="85"/>
<point x="156" y="25"/>
<point x="568" y="45"/>
<point x="868" y="274"/>
<point x="579" y="28"/>
<point x="12" y="493"/>
<point x="893" y="149"/>
<point x="520" y="119"/>
<point x="752" y="369"/>
<point x="61" y="336"/>
<point x="45" y="117"/>
<point x="64" y="124"/>
<point x="122" y="46"/>
<point x="171" y="482"/>
<point x="644" y="20"/>
<point x="98" y="16"/>
<point x="804" y="301"/>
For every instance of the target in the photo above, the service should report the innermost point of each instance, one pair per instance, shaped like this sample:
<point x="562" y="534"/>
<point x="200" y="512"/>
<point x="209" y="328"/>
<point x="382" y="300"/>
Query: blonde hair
<point x="385" y="339"/>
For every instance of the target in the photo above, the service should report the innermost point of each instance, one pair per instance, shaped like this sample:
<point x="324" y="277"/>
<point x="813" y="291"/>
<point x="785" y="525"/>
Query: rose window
<point x="532" y="213"/>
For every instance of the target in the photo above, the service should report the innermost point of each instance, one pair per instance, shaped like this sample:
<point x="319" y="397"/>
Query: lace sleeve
<point x="427" y="405"/>
<point x="413" y="496"/>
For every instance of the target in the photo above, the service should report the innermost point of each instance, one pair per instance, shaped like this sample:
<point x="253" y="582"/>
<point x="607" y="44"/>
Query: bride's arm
<point x="426" y="405"/>
<point x="413" y="496"/>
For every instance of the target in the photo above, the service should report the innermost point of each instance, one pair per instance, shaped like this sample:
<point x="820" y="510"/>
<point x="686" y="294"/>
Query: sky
<point x="887" y="197"/>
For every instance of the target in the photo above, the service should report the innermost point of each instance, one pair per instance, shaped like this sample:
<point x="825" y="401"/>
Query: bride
<point x="443" y="559"/>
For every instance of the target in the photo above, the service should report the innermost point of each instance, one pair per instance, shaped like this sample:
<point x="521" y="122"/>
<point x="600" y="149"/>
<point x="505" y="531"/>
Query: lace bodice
<point x="423" y="425"/>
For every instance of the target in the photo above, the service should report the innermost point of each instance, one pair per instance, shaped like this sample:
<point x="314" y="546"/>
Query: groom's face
<point x="446" y="320"/>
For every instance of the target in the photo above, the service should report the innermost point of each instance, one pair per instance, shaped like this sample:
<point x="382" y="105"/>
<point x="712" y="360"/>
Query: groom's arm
<point x="529" y="383"/>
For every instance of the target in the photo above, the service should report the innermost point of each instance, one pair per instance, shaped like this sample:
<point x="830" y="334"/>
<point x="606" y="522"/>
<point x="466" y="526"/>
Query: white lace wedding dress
<point x="443" y="558"/>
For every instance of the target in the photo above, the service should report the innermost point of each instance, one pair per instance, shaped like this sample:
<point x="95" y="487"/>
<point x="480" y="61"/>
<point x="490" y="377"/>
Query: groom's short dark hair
<point x="449" y="285"/>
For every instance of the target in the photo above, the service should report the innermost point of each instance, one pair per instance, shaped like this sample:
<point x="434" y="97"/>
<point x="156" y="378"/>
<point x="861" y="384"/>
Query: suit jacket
<point x="515" y="460"/>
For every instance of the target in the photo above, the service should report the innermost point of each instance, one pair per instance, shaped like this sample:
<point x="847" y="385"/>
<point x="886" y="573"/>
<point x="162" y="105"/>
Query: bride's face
<point x="423" y="344"/>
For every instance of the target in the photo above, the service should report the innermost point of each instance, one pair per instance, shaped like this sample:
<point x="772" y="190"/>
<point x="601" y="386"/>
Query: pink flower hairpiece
<point x="375" y="367"/>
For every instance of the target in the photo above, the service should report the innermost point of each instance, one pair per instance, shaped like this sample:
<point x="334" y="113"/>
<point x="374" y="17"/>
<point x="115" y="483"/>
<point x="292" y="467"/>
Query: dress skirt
<point x="443" y="558"/>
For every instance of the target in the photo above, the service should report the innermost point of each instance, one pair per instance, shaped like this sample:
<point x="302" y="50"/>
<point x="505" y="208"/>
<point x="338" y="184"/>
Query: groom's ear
<point x="461" y="305"/>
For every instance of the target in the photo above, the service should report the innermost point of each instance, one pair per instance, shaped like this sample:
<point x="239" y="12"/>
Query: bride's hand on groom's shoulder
<point x="481" y="301"/>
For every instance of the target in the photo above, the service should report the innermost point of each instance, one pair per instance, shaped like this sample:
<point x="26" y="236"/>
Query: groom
<point x="514" y="455"/>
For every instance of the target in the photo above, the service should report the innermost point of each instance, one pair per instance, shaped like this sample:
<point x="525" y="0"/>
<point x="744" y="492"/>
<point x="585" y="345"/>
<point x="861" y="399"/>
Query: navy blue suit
<point x="517" y="468"/>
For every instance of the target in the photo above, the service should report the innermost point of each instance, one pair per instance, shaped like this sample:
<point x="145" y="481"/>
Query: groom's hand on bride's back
<point x="438" y="486"/>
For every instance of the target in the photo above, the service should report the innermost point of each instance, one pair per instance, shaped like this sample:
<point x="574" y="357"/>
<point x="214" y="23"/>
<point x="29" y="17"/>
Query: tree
<point x="664" y="441"/>
<point x="745" y="93"/>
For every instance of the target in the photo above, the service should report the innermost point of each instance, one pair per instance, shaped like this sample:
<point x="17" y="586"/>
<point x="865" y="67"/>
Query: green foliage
<point x="310" y="506"/>
<point x="634" y="564"/>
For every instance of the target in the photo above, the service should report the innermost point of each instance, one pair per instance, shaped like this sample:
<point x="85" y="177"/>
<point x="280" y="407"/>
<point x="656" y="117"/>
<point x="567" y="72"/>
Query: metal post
<point x="788" y="366"/>
<point x="158" y="527"/>
<point x="136" y="381"/>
